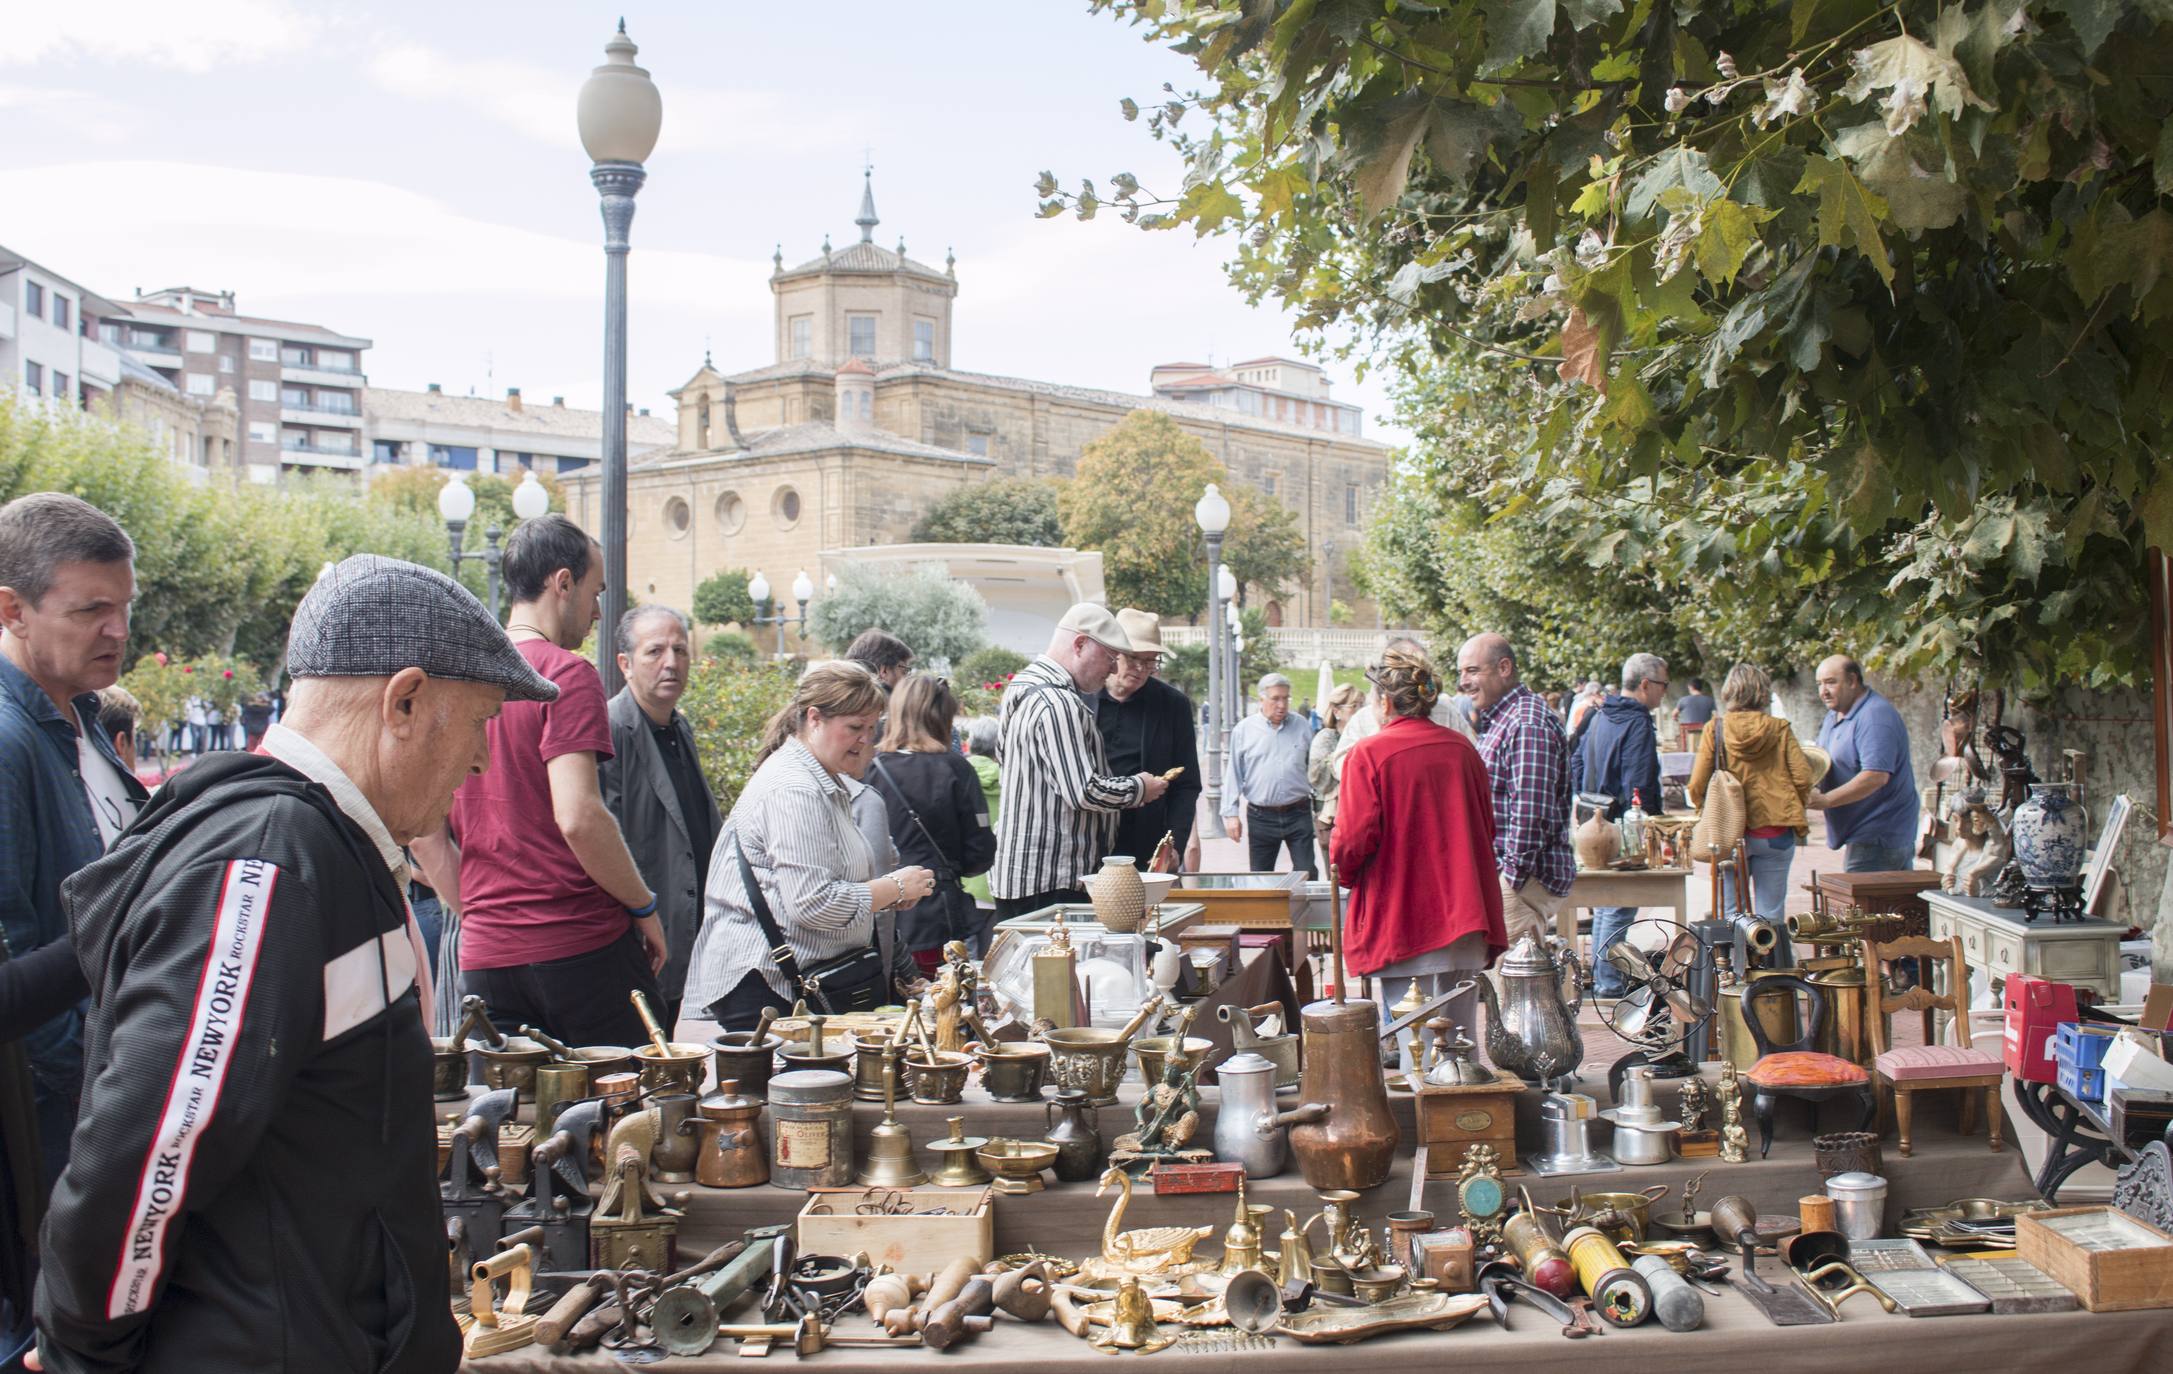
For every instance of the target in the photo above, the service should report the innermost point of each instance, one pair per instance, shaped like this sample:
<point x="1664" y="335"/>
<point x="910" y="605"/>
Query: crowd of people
<point x="218" y="997"/>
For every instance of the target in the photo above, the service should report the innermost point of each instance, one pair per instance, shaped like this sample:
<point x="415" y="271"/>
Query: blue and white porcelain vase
<point x="2048" y="837"/>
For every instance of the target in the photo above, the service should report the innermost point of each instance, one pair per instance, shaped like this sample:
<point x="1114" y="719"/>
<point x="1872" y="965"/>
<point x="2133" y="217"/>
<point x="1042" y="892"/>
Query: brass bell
<point x="959" y="1169"/>
<point x="890" y="1146"/>
<point x="1240" y="1243"/>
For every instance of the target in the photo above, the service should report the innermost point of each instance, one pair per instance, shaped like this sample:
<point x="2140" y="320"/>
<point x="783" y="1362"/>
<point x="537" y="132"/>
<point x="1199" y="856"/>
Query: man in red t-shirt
<point x="556" y="924"/>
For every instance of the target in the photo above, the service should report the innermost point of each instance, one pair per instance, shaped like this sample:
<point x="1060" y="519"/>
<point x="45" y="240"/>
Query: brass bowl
<point x="1676" y="1253"/>
<point x="680" y="1071"/>
<point x="1017" y="1164"/>
<point x="1089" y="1058"/>
<point x="1377" y="1285"/>
<point x="514" y="1066"/>
<point x="1154" y="1051"/>
<point x="602" y="1059"/>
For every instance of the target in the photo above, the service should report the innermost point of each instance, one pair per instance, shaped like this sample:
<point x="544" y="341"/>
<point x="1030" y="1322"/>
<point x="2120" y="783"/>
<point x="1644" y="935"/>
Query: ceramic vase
<point x="2048" y="837"/>
<point x="1599" y="842"/>
<point x="1120" y="898"/>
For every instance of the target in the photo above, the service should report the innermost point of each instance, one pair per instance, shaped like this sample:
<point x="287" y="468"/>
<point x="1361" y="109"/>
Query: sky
<point x="411" y="173"/>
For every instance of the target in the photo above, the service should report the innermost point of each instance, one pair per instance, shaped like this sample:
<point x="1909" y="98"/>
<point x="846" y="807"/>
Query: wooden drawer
<point x="2071" y="961"/>
<point x="2003" y="953"/>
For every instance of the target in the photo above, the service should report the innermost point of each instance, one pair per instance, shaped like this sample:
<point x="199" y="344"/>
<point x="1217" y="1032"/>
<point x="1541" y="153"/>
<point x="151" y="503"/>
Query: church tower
<point x="864" y="301"/>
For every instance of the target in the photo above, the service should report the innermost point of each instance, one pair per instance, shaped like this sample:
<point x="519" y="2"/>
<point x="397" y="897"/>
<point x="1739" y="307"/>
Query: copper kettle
<point x="1353" y="1144"/>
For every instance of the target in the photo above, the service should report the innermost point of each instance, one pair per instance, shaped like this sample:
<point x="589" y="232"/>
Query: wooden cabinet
<point x="1998" y="942"/>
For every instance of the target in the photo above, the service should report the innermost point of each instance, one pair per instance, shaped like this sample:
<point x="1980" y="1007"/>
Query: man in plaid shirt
<point x="1527" y="765"/>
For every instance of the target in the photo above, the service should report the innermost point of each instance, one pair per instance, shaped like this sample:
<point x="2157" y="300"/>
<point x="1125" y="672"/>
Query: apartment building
<point x="1282" y="389"/>
<point x="299" y="386"/>
<point x="432" y="428"/>
<point x="51" y="335"/>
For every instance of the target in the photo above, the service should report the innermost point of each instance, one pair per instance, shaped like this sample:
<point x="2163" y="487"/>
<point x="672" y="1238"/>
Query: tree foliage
<point x="939" y="617"/>
<point x="1002" y="510"/>
<point x="1132" y="498"/>
<point x="1871" y="304"/>
<point x="727" y="704"/>
<point x="722" y="599"/>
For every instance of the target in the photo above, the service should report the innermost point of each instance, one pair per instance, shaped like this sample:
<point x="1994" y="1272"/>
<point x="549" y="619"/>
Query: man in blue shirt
<point x="1267" y="778"/>
<point x="1869" y="796"/>
<point x="1619" y="755"/>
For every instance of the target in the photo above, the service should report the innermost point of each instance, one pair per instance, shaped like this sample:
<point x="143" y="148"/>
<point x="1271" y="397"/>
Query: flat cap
<point x="1097" y="624"/>
<point x="370" y="616"/>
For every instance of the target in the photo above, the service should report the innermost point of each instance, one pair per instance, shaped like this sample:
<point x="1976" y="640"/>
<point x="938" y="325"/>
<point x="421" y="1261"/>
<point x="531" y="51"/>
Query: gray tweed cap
<point x="371" y="617"/>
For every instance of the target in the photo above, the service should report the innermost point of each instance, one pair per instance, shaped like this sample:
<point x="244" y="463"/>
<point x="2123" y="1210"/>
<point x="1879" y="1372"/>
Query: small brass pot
<point x="1089" y="1058"/>
<point x="1377" y="1285"/>
<point x="557" y="1084"/>
<point x="680" y="1071"/>
<point x="602" y="1059"/>
<point x="1013" y="1073"/>
<point x="870" y="1067"/>
<point x="940" y="1083"/>
<point x="745" y="1063"/>
<point x="448" y="1069"/>
<point x="1154" y="1052"/>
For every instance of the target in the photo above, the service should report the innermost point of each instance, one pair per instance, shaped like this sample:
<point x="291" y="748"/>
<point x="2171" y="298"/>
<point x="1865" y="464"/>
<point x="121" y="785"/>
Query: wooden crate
<point x="2104" y="1280"/>
<point x="917" y="1244"/>
<point x="1272" y="905"/>
<point x="1452" y="1119"/>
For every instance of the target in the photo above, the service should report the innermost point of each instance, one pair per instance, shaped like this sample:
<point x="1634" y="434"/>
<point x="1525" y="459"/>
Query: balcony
<point x="309" y="455"/>
<point x="324" y="417"/>
<point x="316" y="375"/>
<point x="156" y="355"/>
<point x="99" y="364"/>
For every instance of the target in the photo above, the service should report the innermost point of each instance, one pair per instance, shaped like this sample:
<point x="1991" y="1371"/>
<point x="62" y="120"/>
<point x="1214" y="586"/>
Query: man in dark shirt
<point x="1694" y="711"/>
<point x="653" y="781"/>
<point x="1146" y="727"/>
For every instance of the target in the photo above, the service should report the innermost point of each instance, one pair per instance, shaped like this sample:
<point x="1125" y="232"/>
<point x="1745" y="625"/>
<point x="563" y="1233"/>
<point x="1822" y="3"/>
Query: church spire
<point x="866" y="219"/>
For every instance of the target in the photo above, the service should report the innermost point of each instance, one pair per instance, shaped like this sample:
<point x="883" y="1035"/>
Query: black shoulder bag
<point x="946" y="873"/>
<point x="854" y="981"/>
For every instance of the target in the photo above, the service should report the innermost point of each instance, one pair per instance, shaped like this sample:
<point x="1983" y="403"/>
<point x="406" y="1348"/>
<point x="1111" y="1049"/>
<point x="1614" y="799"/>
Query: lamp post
<point x="1213" y="514"/>
<point x="803" y="591"/>
<point x="456" y="506"/>
<point x="1327" y="577"/>
<point x="619" y="114"/>
<point x="1233" y="689"/>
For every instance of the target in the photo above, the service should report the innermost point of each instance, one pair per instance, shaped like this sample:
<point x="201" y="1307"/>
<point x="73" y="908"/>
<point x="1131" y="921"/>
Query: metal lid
<point x="1526" y="957"/>
<point x="1245" y="1062"/>
<point x="1854" y="1183"/>
<point x="727" y="1099"/>
<point x="810" y="1086"/>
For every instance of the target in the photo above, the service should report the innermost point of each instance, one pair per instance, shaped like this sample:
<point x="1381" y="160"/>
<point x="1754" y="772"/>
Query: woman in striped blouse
<point x="813" y="866"/>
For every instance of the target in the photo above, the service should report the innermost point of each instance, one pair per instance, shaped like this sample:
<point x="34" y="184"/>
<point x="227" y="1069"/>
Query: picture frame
<point x="2101" y="855"/>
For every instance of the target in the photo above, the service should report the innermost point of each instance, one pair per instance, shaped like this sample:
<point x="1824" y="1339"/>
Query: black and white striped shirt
<point x="1059" y="802"/>
<point x="813" y="866"/>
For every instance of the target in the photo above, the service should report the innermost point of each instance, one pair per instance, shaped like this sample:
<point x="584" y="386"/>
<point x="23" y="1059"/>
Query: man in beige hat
<point x="1060" y="800"/>
<point x="1146" y="727"/>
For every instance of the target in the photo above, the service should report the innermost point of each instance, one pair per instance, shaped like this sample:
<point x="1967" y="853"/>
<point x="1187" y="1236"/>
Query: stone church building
<point x="861" y="424"/>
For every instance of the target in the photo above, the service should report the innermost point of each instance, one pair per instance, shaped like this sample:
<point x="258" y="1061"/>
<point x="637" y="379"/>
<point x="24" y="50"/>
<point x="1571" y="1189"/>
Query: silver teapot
<point x="1531" y="1026"/>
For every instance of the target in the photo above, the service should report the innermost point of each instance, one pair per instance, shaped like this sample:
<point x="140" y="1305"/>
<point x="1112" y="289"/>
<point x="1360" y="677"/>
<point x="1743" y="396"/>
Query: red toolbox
<point x="2035" y="1009"/>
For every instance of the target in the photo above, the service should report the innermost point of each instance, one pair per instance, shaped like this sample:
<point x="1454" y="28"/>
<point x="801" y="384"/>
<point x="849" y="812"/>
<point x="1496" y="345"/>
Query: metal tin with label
<point x="811" y="1129"/>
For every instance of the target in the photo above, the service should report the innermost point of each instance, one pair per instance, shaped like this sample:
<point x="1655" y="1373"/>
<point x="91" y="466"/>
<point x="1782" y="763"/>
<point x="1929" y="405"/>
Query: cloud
<point x="82" y="114"/>
<point x="193" y="37"/>
<point x="538" y="102"/>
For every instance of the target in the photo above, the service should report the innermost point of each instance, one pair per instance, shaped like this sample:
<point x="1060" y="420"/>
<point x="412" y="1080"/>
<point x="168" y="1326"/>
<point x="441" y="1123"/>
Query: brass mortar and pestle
<point x="1011" y="1070"/>
<point x="747" y="1057"/>
<point x="816" y="1053"/>
<point x="508" y="1061"/>
<point x="667" y="1066"/>
<point x="936" y="1078"/>
<point x="1091" y="1058"/>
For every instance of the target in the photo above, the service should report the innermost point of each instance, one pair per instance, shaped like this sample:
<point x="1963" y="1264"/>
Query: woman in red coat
<point x="1414" y="842"/>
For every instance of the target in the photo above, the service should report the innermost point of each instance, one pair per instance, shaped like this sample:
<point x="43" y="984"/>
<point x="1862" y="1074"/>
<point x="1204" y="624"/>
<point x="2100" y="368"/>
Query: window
<point x="110" y="333"/>
<point x="33" y="300"/>
<point x="383" y="450"/>
<point x="867" y="405"/>
<point x="787" y="507"/>
<point x="566" y="465"/>
<point x="264" y="350"/>
<point x="293" y="398"/>
<point x="201" y="383"/>
<point x="294" y="438"/>
<point x="1350" y="503"/>
<point x="60" y="311"/>
<point x="924" y="341"/>
<point x="263" y="389"/>
<point x="263" y="432"/>
<point x="335" y="441"/>
<point x="294" y="357"/>
<point x="34" y="378"/>
<point x="337" y="402"/>
<point x="977" y="445"/>
<point x="447" y="457"/>
<point x="202" y="341"/>
<point x="60" y="386"/>
<point x="226" y="362"/>
<point x="860" y="335"/>
<point x="677" y="516"/>
<point x="801" y="343"/>
<point x="731" y="513"/>
<point x="1270" y="482"/>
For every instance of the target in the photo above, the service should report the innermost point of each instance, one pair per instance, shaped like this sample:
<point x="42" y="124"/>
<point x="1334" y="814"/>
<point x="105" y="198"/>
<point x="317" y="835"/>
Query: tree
<point x="1003" y="510"/>
<point x="942" y="619"/>
<point x="728" y="704"/>
<point x="722" y="599"/>
<point x="1264" y="547"/>
<point x="1869" y="303"/>
<point x="1132" y="498"/>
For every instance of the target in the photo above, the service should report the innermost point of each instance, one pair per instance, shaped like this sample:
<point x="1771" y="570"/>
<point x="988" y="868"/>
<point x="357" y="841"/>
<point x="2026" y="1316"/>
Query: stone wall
<point x="2113" y="727"/>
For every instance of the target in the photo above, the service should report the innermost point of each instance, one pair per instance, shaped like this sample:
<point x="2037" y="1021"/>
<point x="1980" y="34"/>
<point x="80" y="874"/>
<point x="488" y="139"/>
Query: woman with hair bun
<point x="1414" y="842"/>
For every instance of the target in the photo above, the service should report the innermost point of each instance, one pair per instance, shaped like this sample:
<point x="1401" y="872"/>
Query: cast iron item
<point x="1790" y="1305"/>
<point x="470" y="1190"/>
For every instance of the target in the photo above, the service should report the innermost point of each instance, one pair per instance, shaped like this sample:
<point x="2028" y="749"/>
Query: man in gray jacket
<point x="653" y="782"/>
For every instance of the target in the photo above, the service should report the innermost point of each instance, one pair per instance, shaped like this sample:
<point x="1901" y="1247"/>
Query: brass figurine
<point x="1734" y="1140"/>
<point x="1690" y="1110"/>
<point x="1131" y="1324"/>
<point x="952" y="996"/>
<point x="1162" y="1251"/>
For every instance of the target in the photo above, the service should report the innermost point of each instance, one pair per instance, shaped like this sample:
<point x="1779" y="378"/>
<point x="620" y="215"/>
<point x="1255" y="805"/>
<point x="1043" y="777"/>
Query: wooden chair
<point x="1902" y="1073"/>
<point x="1795" y="1069"/>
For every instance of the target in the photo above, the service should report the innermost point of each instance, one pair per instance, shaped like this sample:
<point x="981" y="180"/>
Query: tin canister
<point x="1859" y="1204"/>
<point x="811" y="1129"/>
<point x="1618" y="1292"/>
<point x="1546" y="1265"/>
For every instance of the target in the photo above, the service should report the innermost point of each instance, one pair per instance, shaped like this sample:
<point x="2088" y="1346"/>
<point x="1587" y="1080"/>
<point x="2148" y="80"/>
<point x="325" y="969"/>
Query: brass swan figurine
<point x="1156" y="1250"/>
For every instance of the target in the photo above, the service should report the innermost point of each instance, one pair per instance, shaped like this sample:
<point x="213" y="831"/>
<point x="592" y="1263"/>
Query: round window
<point x="731" y="512"/>
<point x="677" y="515"/>
<point x="788" y="507"/>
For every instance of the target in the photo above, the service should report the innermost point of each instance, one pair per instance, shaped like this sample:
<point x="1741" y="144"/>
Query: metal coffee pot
<point x="1248" y="1128"/>
<point x="1353" y="1144"/>
<point x="1531" y="1026"/>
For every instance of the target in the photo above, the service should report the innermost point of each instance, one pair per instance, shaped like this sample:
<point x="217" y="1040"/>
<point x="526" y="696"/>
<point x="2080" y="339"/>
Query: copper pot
<point x="1354" y="1145"/>
<point x="733" y="1153"/>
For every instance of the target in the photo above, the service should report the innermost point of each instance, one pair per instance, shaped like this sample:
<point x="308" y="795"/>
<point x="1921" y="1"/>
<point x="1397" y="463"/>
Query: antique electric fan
<point x="1661" y="1010"/>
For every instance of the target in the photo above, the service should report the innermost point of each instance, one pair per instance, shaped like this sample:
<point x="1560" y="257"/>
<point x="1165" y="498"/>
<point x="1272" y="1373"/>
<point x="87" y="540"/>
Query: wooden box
<point x="1249" y="901"/>
<point x="2138" y="1274"/>
<point x="917" y="1243"/>
<point x="2137" y="1116"/>
<point x="1897" y="892"/>
<point x="1452" y="1119"/>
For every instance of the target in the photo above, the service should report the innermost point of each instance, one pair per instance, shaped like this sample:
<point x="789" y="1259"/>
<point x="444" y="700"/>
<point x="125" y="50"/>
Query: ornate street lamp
<point x="619" y="114"/>
<point x="803" y="591"/>
<point x="456" y="506"/>
<point x="1213" y="514"/>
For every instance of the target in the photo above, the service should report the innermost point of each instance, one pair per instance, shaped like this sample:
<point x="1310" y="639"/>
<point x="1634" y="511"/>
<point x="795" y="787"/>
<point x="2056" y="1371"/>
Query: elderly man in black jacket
<point x="251" y="1186"/>
<point x="653" y="783"/>
<point x="1146" y="726"/>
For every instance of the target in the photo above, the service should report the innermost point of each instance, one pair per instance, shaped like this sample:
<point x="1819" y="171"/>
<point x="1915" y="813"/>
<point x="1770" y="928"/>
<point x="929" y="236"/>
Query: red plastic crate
<point x="2035" y="1008"/>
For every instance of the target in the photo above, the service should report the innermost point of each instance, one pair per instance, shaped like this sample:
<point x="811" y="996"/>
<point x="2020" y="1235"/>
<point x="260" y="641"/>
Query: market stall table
<point x="1594" y="887"/>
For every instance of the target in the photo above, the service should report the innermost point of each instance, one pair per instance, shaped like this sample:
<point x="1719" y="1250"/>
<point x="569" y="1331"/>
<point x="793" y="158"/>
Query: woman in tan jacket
<point x="1763" y="754"/>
